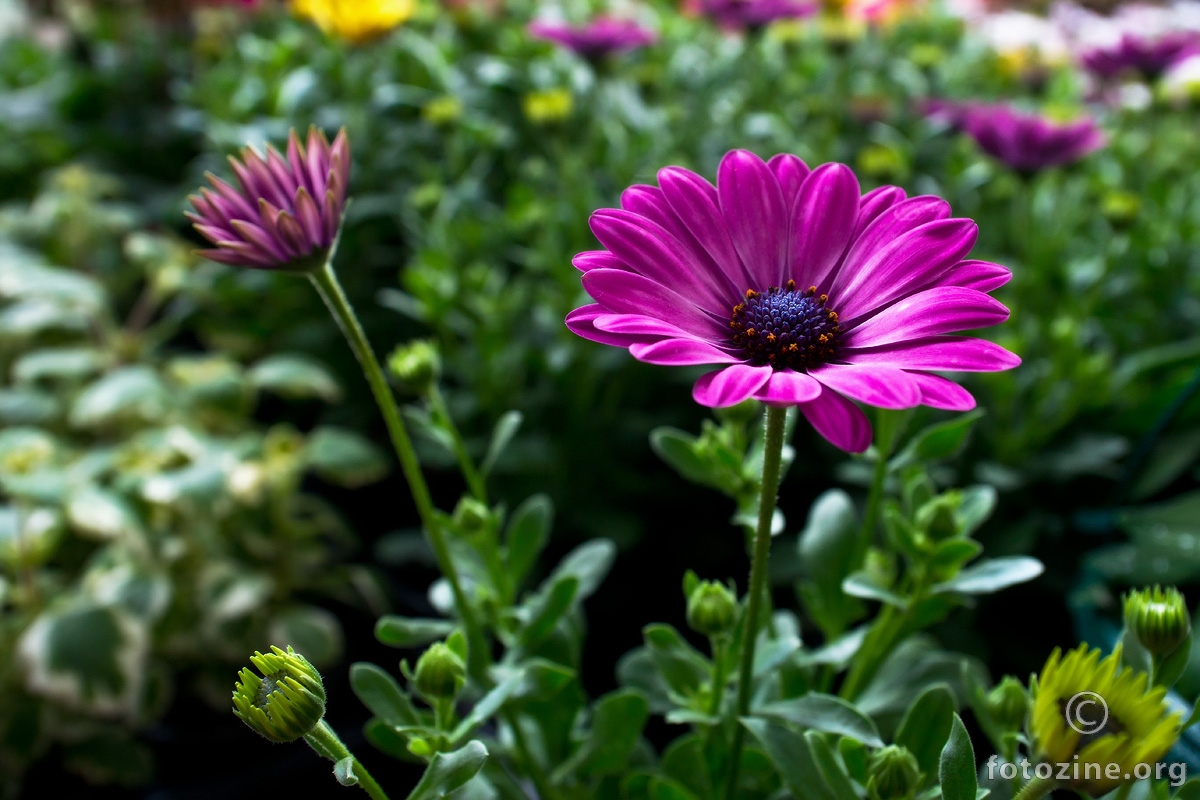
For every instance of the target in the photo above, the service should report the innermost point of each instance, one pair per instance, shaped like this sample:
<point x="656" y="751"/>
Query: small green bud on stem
<point x="893" y="774"/>
<point x="1158" y="618"/>
<point x="417" y="365"/>
<point x="1008" y="703"/>
<point x="287" y="702"/>
<point x="711" y="609"/>
<point x="440" y="673"/>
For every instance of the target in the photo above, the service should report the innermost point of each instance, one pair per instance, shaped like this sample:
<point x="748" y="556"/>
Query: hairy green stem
<point x="1036" y="789"/>
<point x="327" y="285"/>
<point x="772" y="454"/>
<point x="326" y="743"/>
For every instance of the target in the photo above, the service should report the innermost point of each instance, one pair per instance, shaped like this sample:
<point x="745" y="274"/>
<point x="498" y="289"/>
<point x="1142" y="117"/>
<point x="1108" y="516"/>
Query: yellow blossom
<point x="355" y="20"/>
<point x="551" y="105"/>
<point x="1093" y="708"/>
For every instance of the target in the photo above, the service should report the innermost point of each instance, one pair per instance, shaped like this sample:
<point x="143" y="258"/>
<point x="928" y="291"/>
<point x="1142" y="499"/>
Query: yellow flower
<point x="552" y="105"/>
<point x="1090" y="707"/>
<point x="355" y="20"/>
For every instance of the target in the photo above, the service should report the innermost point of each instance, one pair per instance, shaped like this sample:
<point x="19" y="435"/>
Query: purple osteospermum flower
<point x="289" y="209"/>
<point x="1028" y="142"/>
<point x="754" y="13"/>
<point x="803" y="291"/>
<point x="1147" y="56"/>
<point x="601" y="37"/>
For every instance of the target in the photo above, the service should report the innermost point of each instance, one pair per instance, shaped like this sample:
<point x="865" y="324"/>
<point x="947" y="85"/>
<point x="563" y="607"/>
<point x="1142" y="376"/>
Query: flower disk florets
<point x="287" y="702"/>
<point x="785" y="328"/>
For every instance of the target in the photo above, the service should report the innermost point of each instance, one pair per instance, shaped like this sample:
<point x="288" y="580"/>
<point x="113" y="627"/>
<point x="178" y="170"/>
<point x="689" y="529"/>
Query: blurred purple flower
<point x="801" y="289"/>
<point x="1149" y="57"/>
<point x="288" y="211"/>
<point x="1026" y="142"/>
<point x="601" y="37"/>
<point x="751" y="14"/>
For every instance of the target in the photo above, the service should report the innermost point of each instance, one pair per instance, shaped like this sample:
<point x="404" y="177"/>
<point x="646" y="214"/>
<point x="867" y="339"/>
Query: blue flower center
<point x="785" y="328"/>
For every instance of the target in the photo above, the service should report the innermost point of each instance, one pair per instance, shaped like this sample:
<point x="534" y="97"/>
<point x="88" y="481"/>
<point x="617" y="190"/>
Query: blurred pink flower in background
<point x="750" y="14"/>
<point x="1027" y="142"/>
<point x="601" y="37"/>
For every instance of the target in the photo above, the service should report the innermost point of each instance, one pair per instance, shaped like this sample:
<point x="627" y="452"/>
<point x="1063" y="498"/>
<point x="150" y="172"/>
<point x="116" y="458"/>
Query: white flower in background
<point x="1024" y="39"/>
<point x="1182" y="81"/>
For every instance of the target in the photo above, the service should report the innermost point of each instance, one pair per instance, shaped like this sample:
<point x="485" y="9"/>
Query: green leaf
<point x="88" y="657"/>
<point x="937" y="442"/>
<point x="1168" y="670"/>
<point x="824" y="712"/>
<point x="528" y="532"/>
<point x="127" y="394"/>
<point x="617" y="721"/>
<point x="112" y="757"/>
<point x="992" y="575"/>
<point x="974" y="509"/>
<point x="678" y="449"/>
<point x="829" y="539"/>
<point x="97" y="513"/>
<point x="449" y="771"/>
<point x="312" y="630"/>
<point x="343" y="770"/>
<point x="684" y="761"/>
<point x="956" y="768"/>
<point x="382" y="695"/>
<point x="295" y="376"/>
<point x="547" y="608"/>
<point x="683" y="668"/>
<point x="862" y="584"/>
<point x="830" y="766"/>
<point x="488" y="705"/>
<point x="506" y="428"/>
<point x="396" y="631"/>
<point x="926" y="726"/>
<point x="1188" y="791"/>
<point x="590" y="563"/>
<point x="64" y="363"/>
<point x="793" y="760"/>
<point x="949" y="555"/>
<point x="344" y="457"/>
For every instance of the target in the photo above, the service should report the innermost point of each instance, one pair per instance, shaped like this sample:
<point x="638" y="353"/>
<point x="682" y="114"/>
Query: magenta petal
<point x="885" y="387"/>
<point x="260" y="238"/>
<point x="915" y="259"/>
<point x="636" y="324"/>
<point x="950" y="353"/>
<point x="681" y="353"/>
<point x="791" y="172"/>
<point x="630" y="293"/>
<point x="982" y="276"/>
<point x="649" y="250"/>
<point x="889" y="226"/>
<point x="946" y="309"/>
<point x="822" y="223"/>
<point x="839" y="421"/>
<point x="752" y="204"/>
<point x="874" y="203"/>
<point x="938" y="392"/>
<point x="651" y="203"/>
<point x="788" y="388"/>
<point x="581" y="322"/>
<point x="694" y="201"/>
<point x="729" y="386"/>
<point x="597" y="259"/>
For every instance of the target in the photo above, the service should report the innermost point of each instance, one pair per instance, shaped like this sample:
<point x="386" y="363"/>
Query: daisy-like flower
<point x="286" y="215"/>
<point x="801" y="289"/>
<point x="602" y="37"/>
<point x="355" y="21"/>
<point x="1026" y="142"/>
<point x="1145" y="56"/>
<point x="1087" y="706"/>
<point x="754" y="14"/>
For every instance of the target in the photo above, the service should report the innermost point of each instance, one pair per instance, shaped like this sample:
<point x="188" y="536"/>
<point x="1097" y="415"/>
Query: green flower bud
<point x="471" y="517"/>
<point x="1158" y="618"/>
<point x="711" y="609"/>
<point x="893" y="774"/>
<point x="937" y="517"/>
<point x="1008" y="703"/>
<point x="287" y="702"/>
<point x="417" y="365"/>
<point x="1121" y="208"/>
<point x="440" y="673"/>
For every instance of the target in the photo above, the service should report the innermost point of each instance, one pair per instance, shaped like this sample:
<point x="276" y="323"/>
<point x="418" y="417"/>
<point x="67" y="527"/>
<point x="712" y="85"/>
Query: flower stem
<point x="327" y="285"/>
<point x="1036" y="789"/>
<point x="326" y="743"/>
<point x="772" y="454"/>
